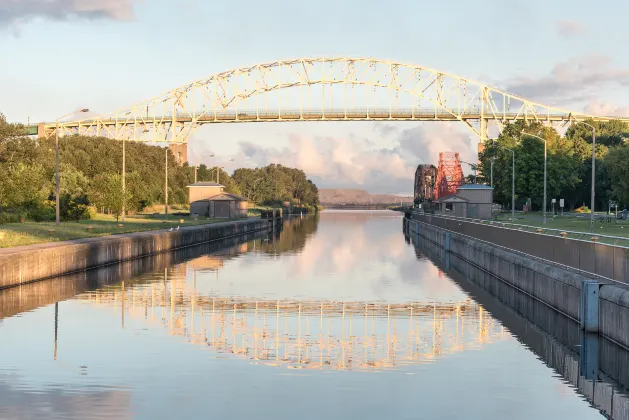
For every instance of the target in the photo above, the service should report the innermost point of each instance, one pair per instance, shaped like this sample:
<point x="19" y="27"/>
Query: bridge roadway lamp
<point x="545" y="166"/>
<point x="592" y="195"/>
<point x="512" y="179"/>
<point x="58" y="214"/>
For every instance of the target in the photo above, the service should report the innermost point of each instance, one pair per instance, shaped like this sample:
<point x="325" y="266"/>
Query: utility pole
<point x="124" y="179"/>
<point x="195" y="174"/>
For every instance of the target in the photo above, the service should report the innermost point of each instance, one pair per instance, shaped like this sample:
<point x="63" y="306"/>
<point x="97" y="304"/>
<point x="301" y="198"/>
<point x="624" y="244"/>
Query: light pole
<point x="58" y="216"/>
<point x="545" y="166"/>
<point x="218" y="170"/>
<point x="166" y="187"/>
<point x="512" y="180"/>
<point x="473" y="166"/>
<point x="593" y="172"/>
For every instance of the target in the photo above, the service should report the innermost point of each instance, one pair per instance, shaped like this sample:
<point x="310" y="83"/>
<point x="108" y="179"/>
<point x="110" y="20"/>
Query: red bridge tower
<point x="449" y="175"/>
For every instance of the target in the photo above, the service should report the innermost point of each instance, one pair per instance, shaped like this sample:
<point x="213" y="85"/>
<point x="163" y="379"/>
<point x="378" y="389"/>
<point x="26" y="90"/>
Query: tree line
<point x="91" y="177"/>
<point x="569" y="164"/>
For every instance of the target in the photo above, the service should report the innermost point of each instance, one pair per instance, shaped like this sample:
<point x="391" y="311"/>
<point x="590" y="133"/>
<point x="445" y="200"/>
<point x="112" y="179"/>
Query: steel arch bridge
<point x="317" y="89"/>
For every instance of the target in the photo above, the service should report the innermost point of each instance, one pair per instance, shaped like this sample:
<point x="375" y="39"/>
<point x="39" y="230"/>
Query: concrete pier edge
<point x="22" y="265"/>
<point x="572" y="293"/>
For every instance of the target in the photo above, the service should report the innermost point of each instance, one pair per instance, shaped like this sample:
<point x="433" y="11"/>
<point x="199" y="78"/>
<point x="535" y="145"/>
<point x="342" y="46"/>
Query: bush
<point x="9" y="218"/>
<point x="44" y="213"/>
<point x="74" y="207"/>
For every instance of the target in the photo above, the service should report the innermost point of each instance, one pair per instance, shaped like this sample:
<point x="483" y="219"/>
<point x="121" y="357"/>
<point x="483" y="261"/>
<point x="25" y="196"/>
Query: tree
<point x="617" y="167"/>
<point x="106" y="192"/>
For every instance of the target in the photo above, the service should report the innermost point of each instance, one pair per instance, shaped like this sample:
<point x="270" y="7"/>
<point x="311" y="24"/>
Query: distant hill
<point x="340" y="196"/>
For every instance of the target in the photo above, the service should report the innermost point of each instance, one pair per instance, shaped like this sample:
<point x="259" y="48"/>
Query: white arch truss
<point x="318" y="89"/>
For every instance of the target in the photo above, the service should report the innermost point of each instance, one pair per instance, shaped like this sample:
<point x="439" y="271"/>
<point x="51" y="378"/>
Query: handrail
<point x="612" y="240"/>
<point x="534" y="257"/>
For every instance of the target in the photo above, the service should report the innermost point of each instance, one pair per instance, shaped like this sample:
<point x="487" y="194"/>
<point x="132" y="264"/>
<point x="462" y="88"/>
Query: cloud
<point x="355" y="162"/>
<point x="570" y="28"/>
<point x="19" y="11"/>
<point x="604" y="109"/>
<point x="576" y="79"/>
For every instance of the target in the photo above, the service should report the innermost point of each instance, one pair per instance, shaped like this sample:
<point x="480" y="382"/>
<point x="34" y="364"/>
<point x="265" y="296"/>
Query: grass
<point x="18" y="234"/>
<point x="571" y="222"/>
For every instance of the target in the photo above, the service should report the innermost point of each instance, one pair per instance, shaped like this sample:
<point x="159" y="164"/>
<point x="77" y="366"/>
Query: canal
<point x="335" y="316"/>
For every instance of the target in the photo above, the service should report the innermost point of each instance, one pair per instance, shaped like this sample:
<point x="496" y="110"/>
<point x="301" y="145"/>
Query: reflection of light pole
<point x="593" y="173"/>
<point x="58" y="216"/>
<point x="56" y="327"/>
<point x="545" y="166"/>
<point x="512" y="180"/>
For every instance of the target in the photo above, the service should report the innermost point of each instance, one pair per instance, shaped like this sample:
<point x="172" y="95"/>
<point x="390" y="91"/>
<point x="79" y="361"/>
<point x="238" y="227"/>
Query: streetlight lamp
<point x="218" y="170"/>
<point x="593" y="172"/>
<point x="195" y="170"/>
<point x="473" y="166"/>
<point x="512" y="179"/>
<point x="58" y="215"/>
<point x="545" y="166"/>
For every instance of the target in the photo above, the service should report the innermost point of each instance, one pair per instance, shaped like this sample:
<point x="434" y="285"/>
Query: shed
<point x="480" y="199"/>
<point x="454" y="203"/>
<point x="203" y="190"/>
<point x="221" y="206"/>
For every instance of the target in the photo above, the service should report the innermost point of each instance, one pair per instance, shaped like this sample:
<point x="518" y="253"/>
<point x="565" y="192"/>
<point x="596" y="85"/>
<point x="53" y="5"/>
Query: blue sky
<point x="106" y="54"/>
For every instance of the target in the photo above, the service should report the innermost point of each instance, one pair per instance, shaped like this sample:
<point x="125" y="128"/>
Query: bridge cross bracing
<point x="317" y="89"/>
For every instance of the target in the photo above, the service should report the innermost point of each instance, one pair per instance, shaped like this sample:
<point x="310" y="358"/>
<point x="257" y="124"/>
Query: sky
<point x="108" y="54"/>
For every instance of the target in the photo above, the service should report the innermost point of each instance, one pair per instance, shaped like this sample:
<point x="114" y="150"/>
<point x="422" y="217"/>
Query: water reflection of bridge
<point x="307" y="334"/>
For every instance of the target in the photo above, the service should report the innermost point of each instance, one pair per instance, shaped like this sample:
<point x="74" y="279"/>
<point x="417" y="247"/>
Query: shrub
<point x="43" y="213"/>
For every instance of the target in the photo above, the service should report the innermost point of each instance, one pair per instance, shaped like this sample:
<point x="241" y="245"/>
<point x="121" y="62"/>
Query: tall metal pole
<point x="124" y="178"/>
<point x="545" y="167"/>
<point x="58" y="214"/>
<point x="217" y="175"/>
<point x="195" y="174"/>
<point x="491" y="179"/>
<point x="166" y="187"/>
<point x="545" y="178"/>
<point x="513" y="186"/>
<point x="593" y="179"/>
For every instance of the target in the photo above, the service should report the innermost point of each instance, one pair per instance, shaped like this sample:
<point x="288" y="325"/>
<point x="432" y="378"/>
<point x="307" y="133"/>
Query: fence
<point x="606" y="256"/>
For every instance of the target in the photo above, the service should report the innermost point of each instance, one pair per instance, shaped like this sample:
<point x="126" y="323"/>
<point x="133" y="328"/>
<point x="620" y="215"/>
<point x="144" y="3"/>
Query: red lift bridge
<point x="449" y="175"/>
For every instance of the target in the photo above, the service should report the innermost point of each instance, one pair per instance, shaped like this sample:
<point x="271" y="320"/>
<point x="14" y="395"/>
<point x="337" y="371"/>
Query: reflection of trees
<point x="292" y="236"/>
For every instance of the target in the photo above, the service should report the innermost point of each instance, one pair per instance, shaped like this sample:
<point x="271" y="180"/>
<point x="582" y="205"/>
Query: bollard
<point x="588" y="309"/>
<point x="446" y="242"/>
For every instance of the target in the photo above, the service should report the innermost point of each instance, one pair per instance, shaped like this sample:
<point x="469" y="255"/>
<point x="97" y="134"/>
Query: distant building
<point x="180" y="151"/>
<point x="471" y="200"/>
<point x="425" y="177"/>
<point x="208" y="199"/>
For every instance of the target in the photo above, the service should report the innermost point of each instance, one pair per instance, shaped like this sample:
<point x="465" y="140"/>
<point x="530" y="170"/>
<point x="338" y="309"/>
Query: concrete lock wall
<point x="36" y="262"/>
<point x="601" y="259"/>
<point x="556" y="286"/>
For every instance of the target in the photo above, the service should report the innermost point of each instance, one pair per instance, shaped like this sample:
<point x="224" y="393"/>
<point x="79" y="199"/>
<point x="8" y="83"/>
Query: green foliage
<point x="276" y="184"/>
<point x="616" y="164"/>
<point x="106" y="192"/>
<point x="90" y="175"/>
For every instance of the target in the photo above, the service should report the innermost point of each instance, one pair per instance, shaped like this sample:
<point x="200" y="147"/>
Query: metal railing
<point x="618" y="241"/>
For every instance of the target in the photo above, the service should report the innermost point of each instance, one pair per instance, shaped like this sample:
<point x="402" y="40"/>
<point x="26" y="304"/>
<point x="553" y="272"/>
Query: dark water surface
<point x="335" y="317"/>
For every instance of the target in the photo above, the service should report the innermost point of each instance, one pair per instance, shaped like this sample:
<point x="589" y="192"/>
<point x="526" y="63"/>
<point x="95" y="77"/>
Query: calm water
<point x="337" y="317"/>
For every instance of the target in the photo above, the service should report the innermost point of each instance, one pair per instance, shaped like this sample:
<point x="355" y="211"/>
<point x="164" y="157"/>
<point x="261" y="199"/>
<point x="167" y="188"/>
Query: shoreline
<point x="30" y="263"/>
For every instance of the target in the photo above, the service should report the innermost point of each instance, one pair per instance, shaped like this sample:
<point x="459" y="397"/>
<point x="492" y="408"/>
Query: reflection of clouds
<point x="19" y="402"/>
<point x="353" y="255"/>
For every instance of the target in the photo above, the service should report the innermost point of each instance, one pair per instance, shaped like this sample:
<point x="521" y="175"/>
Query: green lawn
<point x="17" y="234"/>
<point x="571" y="222"/>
